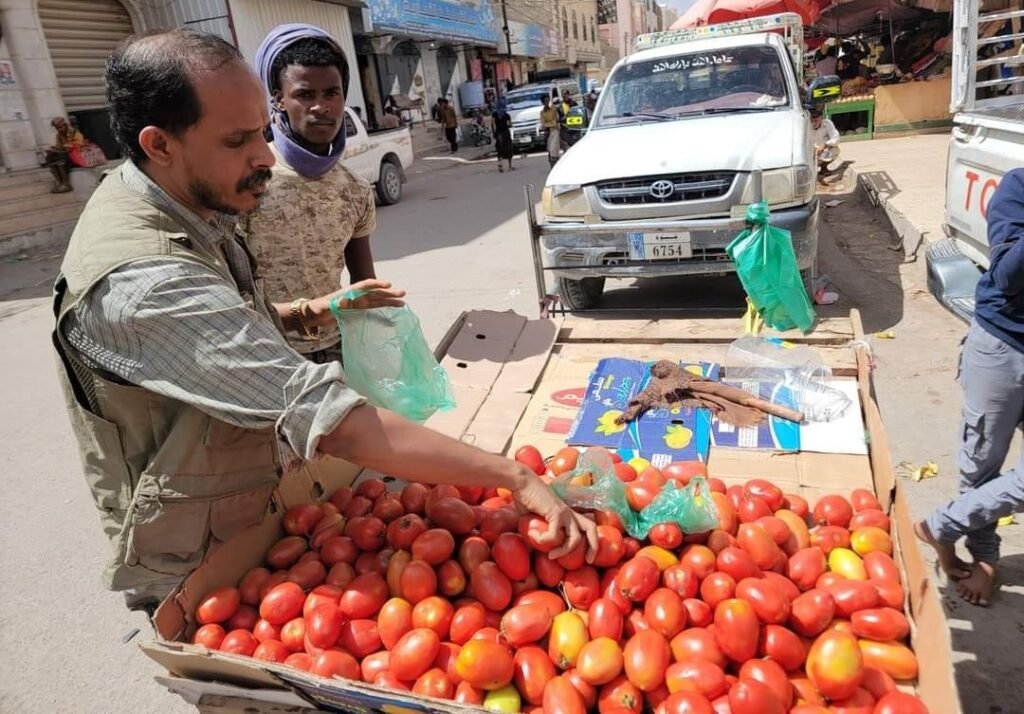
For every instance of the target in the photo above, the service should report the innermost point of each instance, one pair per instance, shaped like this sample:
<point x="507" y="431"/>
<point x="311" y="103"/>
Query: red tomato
<point x="875" y="519"/>
<point x="751" y="508"/>
<point x="414" y="498"/>
<point x="512" y="555"/>
<point x="587" y="691"/>
<point x="698" y="612"/>
<point x="323" y="626"/>
<point x="685" y="471"/>
<point x="716" y="588"/>
<point x="561" y="696"/>
<point x="610" y="547"/>
<point x="600" y="661"/>
<point x="582" y="587"/>
<point x="833" y="510"/>
<point x="653" y="476"/>
<point x="835" y="665"/>
<point x="700" y="558"/>
<point x="299" y="520"/>
<point x="864" y="500"/>
<point x="434" y="683"/>
<point x="860" y="703"/>
<point x="358" y="507"/>
<point x="812" y="612"/>
<point x="716" y="485"/>
<point x="900" y="703"/>
<point x="240" y="642"/>
<point x="666" y="535"/>
<point x="447" y="655"/>
<point x="564" y="461"/>
<point x="772" y="676"/>
<point x="250" y="584"/>
<point x="466" y="693"/>
<point x="451" y="579"/>
<point x="549" y="573"/>
<point x="749" y="696"/>
<point x="330" y="526"/>
<point x="218" y="605"/>
<point x="360" y="638"/>
<point x="403" y="532"/>
<point x="757" y="542"/>
<point x="687" y="702"/>
<point x="770" y="605"/>
<point x="719" y="540"/>
<point x="452" y="514"/>
<point x="497" y="522"/>
<point x="264" y="631"/>
<point x="339" y="549"/>
<point x="604" y="619"/>
<point x="417" y="581"/>
<point x="534" y="530"/>
<point x="533" y="670"/>
<point x="682" y="579"/>
<point x="374" y="664"/>
<point x="282" y="603"/>
<point x="341" y="497"/>
<point x="806" y="566"/>
<point x="737" y="564"/>
<point x="335" y="663"/>
<point x="467" y="621"/>
<point x="697" y="675"/>
<point x="388" y="508"/>
<point x="526" y="624"/>
<point x="878" y="683"/>
<point x="852" y="596"/>
<point x="434" y="546"/>
<point x="293" y="634"/>
<point x="364" y="596"/>
<point x="893" y="658"/>
<point x="245" y="618"/>
<point x="490" y="586"/>
<point x="664" y="612"/>
<point x="640" y="494"/>
<point x="619" y="696"/>
<point x="777" y="528"/>
<point x="550" y="600"/>
<point x="780" y="644"/>
<point x="473" y="552"/>
<point x="782" y="584"/>
<point x="638" y="578"/>
<point x="728" y="519"/>
<point x="485" y="664"/>
<point x="308" y="574"/>
<point x="880" y="567"/>
<point x="299" y="660"/>
<point x="285" y="552"/>
<point x="797" y="504"/>
<point x="414" y="654"/>
<point x="737" y="629"/>
<point x="372" y="488"/>
<point x="530" y="457"/>
<point x="829" y="537"/>
<point x="625" y="473"/>
<point x="890" y="594"/>
<point x="764" y="490"/>
<point x="271" y="651"/>
<point x="209" y="636"/>
<point x="645" y="659"/>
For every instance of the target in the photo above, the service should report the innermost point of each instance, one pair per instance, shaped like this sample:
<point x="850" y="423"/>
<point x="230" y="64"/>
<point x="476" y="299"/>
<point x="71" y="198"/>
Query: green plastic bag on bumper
<point x="388" y="361"/>
<point x="767" y="267"/>
<point x="690" y="507"/>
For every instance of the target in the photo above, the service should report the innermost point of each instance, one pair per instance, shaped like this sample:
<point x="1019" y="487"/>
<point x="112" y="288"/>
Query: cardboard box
<point x="513" y="379"/>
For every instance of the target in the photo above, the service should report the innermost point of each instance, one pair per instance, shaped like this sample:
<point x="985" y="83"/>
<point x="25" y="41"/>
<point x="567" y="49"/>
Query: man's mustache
<point x="257" y="177"/>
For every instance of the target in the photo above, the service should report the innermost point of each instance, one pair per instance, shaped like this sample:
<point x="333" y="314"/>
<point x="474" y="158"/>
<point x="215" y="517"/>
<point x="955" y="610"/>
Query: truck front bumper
<point x="601" y="250"/>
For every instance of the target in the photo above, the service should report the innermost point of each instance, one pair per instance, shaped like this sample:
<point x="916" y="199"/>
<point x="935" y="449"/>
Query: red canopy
<point x="714" y="12"/>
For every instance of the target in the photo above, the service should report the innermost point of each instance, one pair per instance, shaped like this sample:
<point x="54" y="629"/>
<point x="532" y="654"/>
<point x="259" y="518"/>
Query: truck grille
<point x="666" y="189"/>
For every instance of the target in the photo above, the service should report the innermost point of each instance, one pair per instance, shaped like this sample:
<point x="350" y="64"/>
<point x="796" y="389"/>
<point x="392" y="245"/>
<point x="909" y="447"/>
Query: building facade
<point x="52" y="55"/>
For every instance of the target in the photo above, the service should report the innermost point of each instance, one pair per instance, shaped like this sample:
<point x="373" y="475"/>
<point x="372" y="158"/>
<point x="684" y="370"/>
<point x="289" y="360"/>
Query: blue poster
<point x="660" y="435"/>
<point x="772" y="433"/>
<point x="466" y="21"/>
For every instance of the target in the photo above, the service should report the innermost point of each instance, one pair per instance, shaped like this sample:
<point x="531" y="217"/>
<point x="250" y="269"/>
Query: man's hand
<point x="537" y="497"/>
<point x="379" y="293"/>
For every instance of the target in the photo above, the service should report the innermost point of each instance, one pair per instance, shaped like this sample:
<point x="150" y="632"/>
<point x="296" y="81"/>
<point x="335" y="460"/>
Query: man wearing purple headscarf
<point x="317" y="216"/>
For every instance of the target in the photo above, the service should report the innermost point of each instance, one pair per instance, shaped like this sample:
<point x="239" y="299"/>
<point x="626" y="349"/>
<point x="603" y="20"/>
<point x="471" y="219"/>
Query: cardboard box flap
<point x="192" y="662"/>
<point x="220" y="695"/>
<point x="829" y="330"/>
<point x="481" y="347"/>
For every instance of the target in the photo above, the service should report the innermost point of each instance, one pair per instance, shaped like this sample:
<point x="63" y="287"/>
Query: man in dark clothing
<point x="450" y="122"/>
<point x="991" y="374"/>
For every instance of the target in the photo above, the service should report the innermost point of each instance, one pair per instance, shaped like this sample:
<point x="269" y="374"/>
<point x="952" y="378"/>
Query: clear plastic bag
<point x="767" y="267"/>
<point x="388" y="361"/>
<point x="691" y="507"/>
<point x="798" y="367"/>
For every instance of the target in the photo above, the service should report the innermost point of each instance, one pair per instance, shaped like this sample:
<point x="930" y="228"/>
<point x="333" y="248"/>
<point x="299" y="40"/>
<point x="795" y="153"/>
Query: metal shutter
<point x="80" y="35"/>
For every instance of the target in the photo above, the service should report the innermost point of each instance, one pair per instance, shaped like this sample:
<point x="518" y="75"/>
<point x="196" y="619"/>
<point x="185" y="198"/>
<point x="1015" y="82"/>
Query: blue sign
<point x="466" y="21"/>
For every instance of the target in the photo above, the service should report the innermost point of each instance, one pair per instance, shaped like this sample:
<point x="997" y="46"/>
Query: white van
<point x="524" y="105"/>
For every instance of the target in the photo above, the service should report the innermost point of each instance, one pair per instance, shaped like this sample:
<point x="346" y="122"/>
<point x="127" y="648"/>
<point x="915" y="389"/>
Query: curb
<point x="881" y="193"/>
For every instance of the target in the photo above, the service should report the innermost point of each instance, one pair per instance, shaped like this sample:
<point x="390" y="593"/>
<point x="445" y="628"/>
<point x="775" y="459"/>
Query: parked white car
<point x="381" y="158"/>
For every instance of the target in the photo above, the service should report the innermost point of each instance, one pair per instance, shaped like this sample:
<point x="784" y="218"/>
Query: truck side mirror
<point x="823" y="89"/>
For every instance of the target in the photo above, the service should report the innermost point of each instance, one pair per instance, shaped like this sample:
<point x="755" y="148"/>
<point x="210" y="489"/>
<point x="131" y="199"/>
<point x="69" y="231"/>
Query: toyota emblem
<point x="662" y="189"/>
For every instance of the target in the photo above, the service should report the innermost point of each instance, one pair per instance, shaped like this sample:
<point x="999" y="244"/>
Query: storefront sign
<point x="467" y="21"/>
<point x="527" y="40"/>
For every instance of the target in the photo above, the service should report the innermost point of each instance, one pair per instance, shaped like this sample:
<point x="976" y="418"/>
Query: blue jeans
<point x="991" y="375"/>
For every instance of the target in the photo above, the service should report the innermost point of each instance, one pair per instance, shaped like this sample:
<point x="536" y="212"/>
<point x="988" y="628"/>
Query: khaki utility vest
<point x="166" y="477"/>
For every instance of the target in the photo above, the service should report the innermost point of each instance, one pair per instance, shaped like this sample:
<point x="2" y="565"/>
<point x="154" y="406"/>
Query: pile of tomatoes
<point x="449" y="593"/>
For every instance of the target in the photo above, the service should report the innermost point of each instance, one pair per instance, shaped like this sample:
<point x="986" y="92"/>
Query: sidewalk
<point x="908" y="177"/>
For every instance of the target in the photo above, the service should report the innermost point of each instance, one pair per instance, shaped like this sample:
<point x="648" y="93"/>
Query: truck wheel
<point x="389" y="184"/>
<point x="580" y="294"/>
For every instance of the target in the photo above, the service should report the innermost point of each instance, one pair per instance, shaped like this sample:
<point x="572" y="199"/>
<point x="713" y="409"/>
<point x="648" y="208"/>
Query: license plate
<point x="660" y="246"/>
<point x="523" y="139"/>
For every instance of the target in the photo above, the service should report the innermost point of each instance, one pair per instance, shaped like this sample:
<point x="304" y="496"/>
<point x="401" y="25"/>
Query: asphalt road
<point x="456" y="241"/>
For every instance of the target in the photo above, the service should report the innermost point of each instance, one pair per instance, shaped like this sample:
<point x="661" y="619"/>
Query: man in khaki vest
<point x="185" y="399"/>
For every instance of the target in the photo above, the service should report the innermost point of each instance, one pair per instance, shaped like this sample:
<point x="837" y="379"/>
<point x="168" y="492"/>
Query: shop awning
<point x="714" y="12"/>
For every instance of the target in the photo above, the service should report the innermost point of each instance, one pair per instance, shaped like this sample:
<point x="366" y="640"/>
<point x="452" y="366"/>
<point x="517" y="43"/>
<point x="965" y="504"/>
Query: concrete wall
<point x="901" y="104"/>
<point x="17" y="141"/>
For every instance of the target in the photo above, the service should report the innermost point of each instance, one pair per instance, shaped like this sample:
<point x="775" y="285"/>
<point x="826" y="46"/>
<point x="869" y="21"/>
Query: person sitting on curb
<point x="991" y="375"/>
<point x="826" y="143"/>
<point x="57" y="159"/>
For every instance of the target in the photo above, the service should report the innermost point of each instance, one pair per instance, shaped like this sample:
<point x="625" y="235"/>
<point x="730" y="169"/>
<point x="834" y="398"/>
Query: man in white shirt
<point x="826" y="142"/>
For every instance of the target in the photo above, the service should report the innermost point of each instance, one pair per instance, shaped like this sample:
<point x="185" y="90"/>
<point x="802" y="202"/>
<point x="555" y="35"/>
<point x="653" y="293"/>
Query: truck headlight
<point x="794" y="184"/>
<point x="564" y="201"/>
<point x="803" y="183"/>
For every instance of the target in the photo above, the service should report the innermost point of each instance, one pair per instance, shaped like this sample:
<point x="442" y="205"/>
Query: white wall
<point x="253" y="19"/>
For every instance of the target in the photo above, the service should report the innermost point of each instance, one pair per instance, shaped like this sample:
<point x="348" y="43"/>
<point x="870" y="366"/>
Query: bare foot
<point x="977" y="588"/>
<point x="951" y="565"/>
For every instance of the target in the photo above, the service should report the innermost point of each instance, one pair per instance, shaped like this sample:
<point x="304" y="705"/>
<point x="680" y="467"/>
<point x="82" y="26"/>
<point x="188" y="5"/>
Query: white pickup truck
<point x="987" y="141"/>
<point x="689" y="130"/>
<point x="381" y="157"/>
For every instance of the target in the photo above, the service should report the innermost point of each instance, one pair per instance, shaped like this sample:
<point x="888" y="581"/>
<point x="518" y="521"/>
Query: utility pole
<point x="508" y="39"/>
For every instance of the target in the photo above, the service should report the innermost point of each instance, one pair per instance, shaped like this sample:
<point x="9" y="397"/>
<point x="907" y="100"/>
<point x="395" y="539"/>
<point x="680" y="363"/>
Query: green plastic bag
<point x="388" y="361"/>
<point x="767" y="267"/>
<point x="691" y="507"/>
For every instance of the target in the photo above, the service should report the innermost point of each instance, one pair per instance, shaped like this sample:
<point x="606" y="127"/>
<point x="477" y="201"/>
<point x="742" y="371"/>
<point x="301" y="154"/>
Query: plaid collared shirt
<point x="181" y="330"/>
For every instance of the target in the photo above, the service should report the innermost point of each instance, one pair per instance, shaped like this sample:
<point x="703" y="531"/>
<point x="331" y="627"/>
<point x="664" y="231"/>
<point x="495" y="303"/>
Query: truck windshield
<point x="525" y="100"/>
<point x="736" y="79"/>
